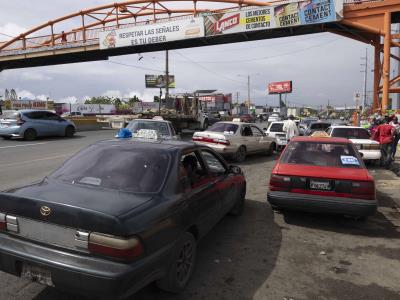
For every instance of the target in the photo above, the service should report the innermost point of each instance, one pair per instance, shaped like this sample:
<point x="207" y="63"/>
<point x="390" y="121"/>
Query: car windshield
<point x="224" y="127"/>
<point x="351" y="133"/>
<point x="321" y="154"/>
<point x="276" y="127"/>
<point x="116" y="167"/>
<point x="160" y="127"/>
<point x="307" y="122"/>
<point x="320" y="126"/>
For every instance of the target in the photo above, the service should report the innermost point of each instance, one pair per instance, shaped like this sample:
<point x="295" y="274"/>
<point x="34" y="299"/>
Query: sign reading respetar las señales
<point x="152" y="33"/>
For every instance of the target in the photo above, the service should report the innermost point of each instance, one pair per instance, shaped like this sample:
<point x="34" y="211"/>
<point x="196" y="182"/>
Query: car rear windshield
<point x="321" y="154"/>
<point x="116" y="167"/>
<point x="276" y="127"/>
<point x="322" y="126"/>
<point x="224" y="127"/>
<point x="160" y="127"/>
<point x="351" y="133"/>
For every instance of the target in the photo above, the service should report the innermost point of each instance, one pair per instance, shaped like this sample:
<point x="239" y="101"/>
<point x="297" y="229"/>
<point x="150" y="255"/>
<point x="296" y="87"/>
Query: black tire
<point x="7" y="137"/>
<point x="240" y="154"/>
<point x="238" y="209"/>
<point x="69" y="131"/>
<point x="271" y="149"/>
<point x="182" y="266"/>
<point x="30" y="134"/>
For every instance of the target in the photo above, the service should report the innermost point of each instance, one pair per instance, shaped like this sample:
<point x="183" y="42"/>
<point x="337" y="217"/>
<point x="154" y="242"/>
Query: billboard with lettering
<point x="294" y="13"/>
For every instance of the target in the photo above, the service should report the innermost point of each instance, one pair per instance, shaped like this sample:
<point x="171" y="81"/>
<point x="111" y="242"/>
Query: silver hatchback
<point x="30" y="124"/>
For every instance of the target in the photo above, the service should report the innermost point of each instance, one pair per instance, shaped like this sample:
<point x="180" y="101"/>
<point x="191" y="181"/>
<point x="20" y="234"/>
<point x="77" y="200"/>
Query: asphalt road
<point x="260" y="255"/>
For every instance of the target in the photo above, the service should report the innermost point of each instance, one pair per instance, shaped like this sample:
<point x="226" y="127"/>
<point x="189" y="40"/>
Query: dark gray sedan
<point x="117" y="216"/>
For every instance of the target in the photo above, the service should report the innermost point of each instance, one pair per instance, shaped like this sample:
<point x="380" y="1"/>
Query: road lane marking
<point x="34" y="160"/>
<point x="24" y="145"/>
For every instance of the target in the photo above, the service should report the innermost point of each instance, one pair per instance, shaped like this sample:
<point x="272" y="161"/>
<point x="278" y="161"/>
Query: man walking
<point x="384" y="135"/>
<point x="395" y="123"/>
<point x="290" y="128"/>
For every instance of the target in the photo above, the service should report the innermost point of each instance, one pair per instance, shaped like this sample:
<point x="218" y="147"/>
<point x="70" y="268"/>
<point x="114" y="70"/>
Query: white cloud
<point x="113" y="94"/>
<point x="10" y="29"/>
<point x="34" y="76"/>
<point x="25" y="94"/>
<point x="69" y="99"/>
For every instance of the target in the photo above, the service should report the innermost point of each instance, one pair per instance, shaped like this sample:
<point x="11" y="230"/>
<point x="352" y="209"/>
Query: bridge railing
<point x="90" y="36"/>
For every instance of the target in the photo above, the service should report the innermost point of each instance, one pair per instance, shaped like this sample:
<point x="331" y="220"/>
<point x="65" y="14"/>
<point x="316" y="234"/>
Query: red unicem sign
<point x="281" y="87"/>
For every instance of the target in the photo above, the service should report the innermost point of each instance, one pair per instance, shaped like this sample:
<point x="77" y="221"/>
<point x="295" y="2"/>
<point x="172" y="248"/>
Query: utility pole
<point x="365" y="78"/>
<point x="398" y="68"/>
<point x="166" y="77"/>
<point x="248" y="91"/>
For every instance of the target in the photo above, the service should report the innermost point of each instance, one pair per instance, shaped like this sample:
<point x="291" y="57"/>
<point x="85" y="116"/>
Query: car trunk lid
<point x="209" y="137"/>
<point x="82" y="208"/>
<point x="323" y="181"/>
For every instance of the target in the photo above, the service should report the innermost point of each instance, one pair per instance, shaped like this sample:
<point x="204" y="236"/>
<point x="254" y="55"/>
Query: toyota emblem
<point x="45" y="211"/>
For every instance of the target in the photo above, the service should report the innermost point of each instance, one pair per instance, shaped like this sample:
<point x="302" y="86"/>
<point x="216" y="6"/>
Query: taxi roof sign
<point x="158" y="118"/>
<point x="146" y="134"/>
<point x="236" y="120"/>
<point x="320" y="134"/>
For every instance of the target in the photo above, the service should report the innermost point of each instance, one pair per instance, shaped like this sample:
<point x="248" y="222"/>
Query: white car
<point x="274" y="117"/>
<point x="275" y="130"/>
<point x="369" y="149"/>
<point x="235" y="140"/>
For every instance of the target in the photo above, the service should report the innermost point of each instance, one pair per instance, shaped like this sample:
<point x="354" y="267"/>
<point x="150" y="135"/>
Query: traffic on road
<point x="134" y="208"/>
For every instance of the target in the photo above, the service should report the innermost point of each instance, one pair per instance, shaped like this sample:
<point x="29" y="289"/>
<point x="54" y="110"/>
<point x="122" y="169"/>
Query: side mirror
<point x="265" y="129"/>
<point x="235" y="170"/>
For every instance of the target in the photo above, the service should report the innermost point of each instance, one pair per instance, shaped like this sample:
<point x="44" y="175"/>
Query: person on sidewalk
<point x="395" y="123"/>
<point x="384" y="135"/>
<point x="290" y="128"/>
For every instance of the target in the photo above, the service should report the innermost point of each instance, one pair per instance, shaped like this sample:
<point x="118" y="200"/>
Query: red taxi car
<point x="320" y="174"/>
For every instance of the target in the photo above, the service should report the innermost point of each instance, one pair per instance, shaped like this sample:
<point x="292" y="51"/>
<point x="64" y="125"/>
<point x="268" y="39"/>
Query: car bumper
<point x="321" y="204"/>
<point x="221" y="149"/>
<point x="83" y="274"/>
<point x="370" y="154"/>
<point x="10" y="131"/>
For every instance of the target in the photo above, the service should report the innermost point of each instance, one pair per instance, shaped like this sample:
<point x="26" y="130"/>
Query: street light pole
<point x="248" y="91"/>
<point x="166" y="76"/>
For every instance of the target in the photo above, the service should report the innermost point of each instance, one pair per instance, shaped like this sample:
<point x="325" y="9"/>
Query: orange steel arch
<point x="114" y="15"/>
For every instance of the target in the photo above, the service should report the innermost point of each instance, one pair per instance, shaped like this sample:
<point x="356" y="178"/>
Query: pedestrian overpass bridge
<point x="90" y="34"/>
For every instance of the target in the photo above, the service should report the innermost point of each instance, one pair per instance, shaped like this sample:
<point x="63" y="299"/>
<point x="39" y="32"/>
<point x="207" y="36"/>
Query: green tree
<point x="133" y="100"/>
<point x="156" y="99"/>
<point x="117" y="102"/>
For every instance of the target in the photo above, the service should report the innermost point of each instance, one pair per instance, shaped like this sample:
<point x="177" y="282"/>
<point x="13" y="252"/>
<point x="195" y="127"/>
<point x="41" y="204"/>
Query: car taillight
<point x="211" y="140"/>
<point x="20" y="121"/>
<point x="118" y="247"/>
<point x="279" y="183"/>
<point x="363" y="190"/>
<point x="3" y="223"/>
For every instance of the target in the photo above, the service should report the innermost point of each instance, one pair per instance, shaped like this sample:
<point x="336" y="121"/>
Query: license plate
<point x="37" y="274"/>
<point x="320" y="185"/>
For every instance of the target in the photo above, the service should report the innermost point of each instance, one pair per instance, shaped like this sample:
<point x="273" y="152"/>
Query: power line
<point x="269" y="57"/>
<point x="208" y="70"/>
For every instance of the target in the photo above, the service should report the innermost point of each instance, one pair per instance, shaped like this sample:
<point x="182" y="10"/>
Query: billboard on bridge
<point x="276" y="16"/>
<point x="152" y="33"/>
